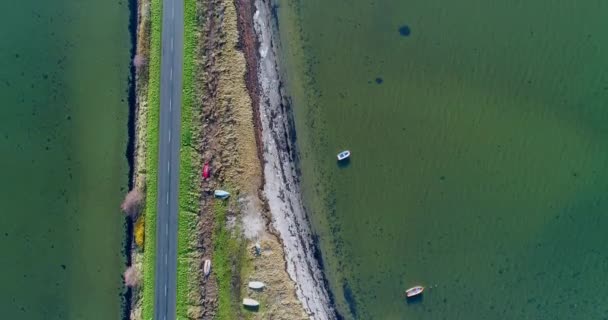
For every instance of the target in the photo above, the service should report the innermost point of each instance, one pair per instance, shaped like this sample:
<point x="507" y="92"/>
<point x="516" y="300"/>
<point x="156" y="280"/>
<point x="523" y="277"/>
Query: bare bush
<point x="139" y="61"/>
<point x="132" y="276"/>
<point x="132" y="203"/>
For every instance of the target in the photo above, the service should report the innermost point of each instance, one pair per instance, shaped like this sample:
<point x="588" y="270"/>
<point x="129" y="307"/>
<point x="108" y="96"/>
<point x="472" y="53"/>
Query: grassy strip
<point x="190" y="164"/>
<point x="222" y="243"/>
<point x="152" y="159"/>
<point x="228" y="251"/>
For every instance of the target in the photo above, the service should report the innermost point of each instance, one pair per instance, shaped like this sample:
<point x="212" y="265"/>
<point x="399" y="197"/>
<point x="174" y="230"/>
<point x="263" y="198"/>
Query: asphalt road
<point x="168" y="165"/>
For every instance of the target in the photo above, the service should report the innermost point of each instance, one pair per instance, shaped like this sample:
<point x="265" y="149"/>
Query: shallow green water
<point x="63" y="135"/>
<point x="480" y="153"/>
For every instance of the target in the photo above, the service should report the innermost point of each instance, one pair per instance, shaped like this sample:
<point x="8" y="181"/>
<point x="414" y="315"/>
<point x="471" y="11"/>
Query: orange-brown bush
<point x="139" y="232"/>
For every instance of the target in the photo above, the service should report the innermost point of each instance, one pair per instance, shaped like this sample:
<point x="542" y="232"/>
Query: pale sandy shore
<point x="281" y="186"/>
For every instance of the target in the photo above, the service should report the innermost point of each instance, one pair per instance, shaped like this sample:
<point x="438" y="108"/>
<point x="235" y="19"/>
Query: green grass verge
<point x="152" y="160"/>
<point x="190" y="164"/>
<point x="228" y="251"/>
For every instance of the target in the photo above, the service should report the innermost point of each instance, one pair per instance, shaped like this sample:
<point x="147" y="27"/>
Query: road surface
<point x="168" y="166"/>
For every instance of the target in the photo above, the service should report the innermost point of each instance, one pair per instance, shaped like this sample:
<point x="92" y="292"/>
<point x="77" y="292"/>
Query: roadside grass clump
<point x="152" y="159"/>
<point x="190" y="163"/>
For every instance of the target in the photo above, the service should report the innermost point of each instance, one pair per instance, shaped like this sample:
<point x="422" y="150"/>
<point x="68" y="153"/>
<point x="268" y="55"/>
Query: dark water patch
<point x="405" y="30"/>
<point x="349" y="297"/>
<point x="131" y="94"/>
<point x="416" y="299"/>
<point x="127" y="295"/>
<point x="318" y="255"/>
<point x="343" y="164"/>
<point x="379" y="80"/>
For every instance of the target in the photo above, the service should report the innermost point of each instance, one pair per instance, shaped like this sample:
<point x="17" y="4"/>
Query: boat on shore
<point x="221" y="194"/>
<point x="207" y="267"/>
<point x="343" y="155"/>
<point x="247" y="302"/>
<point x="206" y="171"/>
<point x="256" y="285"/>
<point x="414" y="291"/>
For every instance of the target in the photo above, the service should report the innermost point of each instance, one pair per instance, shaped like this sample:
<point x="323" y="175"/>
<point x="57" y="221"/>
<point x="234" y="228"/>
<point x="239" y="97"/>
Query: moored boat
<point x="343" y="155"/>
<point x="256" y="285"/>
<point x="221" y="194"/>
<point x="247" y="302"/>
<point x="414" y="291"/>
<point x="207" y="267"/>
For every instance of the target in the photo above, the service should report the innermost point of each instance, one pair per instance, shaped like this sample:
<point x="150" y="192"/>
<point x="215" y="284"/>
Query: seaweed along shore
<point x="281" y="187"/>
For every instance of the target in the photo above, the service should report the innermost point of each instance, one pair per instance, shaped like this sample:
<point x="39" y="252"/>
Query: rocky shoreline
<point x="281" y="187"/>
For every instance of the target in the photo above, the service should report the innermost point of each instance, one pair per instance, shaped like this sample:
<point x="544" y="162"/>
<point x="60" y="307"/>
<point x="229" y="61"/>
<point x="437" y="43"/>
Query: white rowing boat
<point x="414" y="291"/>
<point x="343" y="155"/>
<point x="207" y="267"/>
<point x="250" y="303"/>
<point x="256" y="285"/>
<point x="221" y="194"/>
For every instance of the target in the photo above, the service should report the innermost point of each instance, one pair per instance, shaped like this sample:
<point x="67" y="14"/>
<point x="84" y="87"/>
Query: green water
<point x="479" y="162"/>
<point x="63" y="136"/>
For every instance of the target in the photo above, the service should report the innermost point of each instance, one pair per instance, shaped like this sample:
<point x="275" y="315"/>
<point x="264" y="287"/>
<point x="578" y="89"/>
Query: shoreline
<point x="237" y="81"/>
<point x="281" y="181"/>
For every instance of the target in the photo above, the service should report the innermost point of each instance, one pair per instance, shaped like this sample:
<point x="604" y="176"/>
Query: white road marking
<point x="172" y="44"/>
<point x="169" y="104"/>
<point x="171" y="75"/>
<point x="165" y="289"/>
<point x="173" y="11"/>
<point x="167" y="197"/>
<point x="166" y="259"/>
<point x="169" y="136"/>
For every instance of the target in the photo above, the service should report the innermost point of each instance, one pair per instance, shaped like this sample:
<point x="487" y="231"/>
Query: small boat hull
<point x="206" y="171"/>
<point x="343" y="155"/>
<point x="221" y="194"/>
<point x="256" y="285"/>
<point x="247" y="302"/>
<point x="414" y="291"/>
<point x="207" y="267"/>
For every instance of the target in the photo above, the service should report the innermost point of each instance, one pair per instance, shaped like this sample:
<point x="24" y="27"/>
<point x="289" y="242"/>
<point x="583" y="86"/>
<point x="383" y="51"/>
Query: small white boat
<point x="250" y="303"/>
<point x="221" y="194"/>
<point x="207" y="267"/>
<point x="256" y="285"/>
<point x="414" y="291"/>
<point x="343" y="155"/>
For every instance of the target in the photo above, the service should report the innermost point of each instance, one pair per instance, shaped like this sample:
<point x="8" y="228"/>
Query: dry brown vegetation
<point x="226" y="88"/>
